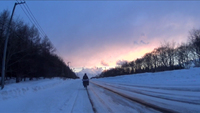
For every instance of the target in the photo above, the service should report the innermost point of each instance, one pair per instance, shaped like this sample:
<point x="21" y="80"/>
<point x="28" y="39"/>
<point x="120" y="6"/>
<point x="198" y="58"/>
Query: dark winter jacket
<point x="85" y="77"/>
<point x="85" y="80"/>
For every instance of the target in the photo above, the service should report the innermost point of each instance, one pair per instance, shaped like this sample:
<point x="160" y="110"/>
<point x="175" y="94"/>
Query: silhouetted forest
<point x="28" y="54"/>
<point x="168" y="56"/>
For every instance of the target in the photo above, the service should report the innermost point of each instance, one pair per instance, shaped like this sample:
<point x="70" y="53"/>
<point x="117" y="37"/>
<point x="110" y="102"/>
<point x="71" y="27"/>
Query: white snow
<point x="48" y="95"/>
<point x="177" y="90"/>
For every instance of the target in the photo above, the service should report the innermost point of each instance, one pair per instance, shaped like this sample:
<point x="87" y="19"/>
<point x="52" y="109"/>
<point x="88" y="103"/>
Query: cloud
<point x="121" y="32"/>
<point x="91" y="72"/>
<point x="104" y="63"/>
<point x="141" y="42"/>
<point x="142" y="34"/>
<point x="121" y="62"/>
<point x="135" y="42"/>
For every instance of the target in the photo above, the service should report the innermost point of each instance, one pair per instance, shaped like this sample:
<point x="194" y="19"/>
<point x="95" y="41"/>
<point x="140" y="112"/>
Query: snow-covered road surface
<point x="172" y="91"/>
<point x="58" y="96"/>
<point x="169" y="91"/>
<point x="105" y="101"/>
<point x="164" y="100"/>
<point x="66" y="96"/>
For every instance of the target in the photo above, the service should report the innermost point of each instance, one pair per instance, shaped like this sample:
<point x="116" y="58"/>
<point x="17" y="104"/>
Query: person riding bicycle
<point x="85" y="80"/>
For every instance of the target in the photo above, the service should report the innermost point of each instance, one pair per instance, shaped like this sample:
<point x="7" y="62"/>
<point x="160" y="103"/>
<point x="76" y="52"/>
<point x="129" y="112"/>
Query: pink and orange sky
<point x="101" y="33"/>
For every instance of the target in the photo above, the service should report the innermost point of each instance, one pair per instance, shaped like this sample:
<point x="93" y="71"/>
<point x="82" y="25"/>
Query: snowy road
<point x="174" y="99"/>
<point x="69" y="96"/>
<point x="58" y="96"/>
<point x="105" y="101"/>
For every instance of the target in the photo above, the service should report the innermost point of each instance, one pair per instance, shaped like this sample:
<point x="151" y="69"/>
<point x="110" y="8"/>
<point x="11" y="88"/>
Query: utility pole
<point x="5" y="45"/>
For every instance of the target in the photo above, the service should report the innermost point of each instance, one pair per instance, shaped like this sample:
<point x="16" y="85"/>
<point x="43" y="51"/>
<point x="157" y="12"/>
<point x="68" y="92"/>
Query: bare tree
<point x="132" y="65"/>
<point x="148" y="61"/>
<point x="170" y="51"/>
<point x="155" y="59"/>
<point x="183" y="55"/>
<point x="194" y="41"/>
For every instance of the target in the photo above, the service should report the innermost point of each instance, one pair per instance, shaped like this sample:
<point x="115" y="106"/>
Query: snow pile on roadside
<point x="177" y="77"/>
<point x="19" y="89"/>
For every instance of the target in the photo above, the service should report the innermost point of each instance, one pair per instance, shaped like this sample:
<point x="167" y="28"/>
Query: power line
<point x="27" y="15"/>
<point x="32" y="18"/>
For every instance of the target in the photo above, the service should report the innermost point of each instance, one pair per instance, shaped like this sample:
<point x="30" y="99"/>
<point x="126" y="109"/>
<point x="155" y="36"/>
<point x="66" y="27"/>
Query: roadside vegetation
<point x="169" y="56"/>
<point x="28" y="54"/>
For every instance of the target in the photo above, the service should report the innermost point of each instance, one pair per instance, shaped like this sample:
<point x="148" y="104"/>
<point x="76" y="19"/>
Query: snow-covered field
<point x="178" y="91"/>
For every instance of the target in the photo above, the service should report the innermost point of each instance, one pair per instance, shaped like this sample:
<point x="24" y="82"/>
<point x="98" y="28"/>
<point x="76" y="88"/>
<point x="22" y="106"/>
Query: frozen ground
<point x="172" y="91"/>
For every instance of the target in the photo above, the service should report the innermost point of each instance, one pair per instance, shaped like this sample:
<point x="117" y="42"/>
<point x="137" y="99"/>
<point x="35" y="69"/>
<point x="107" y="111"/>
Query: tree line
<point x="28" y="54"/>
<point x="169" y="56"/>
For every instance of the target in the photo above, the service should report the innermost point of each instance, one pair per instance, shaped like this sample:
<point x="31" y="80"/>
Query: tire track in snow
<point x="101" y="101"/>
<point x="91" y="102"/>
<point x="85" y="106"/>
<point x="148" y="105"/>
<point x="177" y="88"/>
<point x="75" y="101"/>
<point x="156" y="96"/>
<point x="69" y="103"/>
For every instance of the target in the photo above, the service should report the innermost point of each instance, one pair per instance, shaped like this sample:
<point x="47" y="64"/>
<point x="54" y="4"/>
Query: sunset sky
<point x="101" y="33"/>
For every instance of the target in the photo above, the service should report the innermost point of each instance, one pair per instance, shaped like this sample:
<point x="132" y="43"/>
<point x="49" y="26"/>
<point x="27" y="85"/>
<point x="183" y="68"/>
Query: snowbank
<point x="177" y="77"/>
